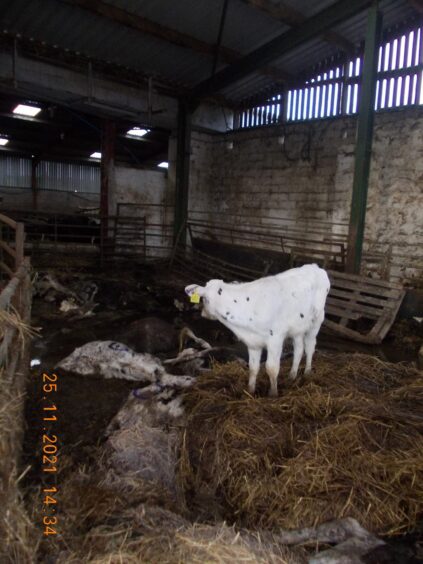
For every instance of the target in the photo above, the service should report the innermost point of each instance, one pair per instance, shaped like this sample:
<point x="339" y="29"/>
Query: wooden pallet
<point x="361" y="308"/>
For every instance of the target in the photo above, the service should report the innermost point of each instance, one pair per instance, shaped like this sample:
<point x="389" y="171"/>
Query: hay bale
<point x="347" y="442"/>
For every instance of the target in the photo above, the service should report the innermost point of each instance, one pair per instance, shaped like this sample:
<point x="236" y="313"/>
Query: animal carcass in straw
<point x="113" y="360"/>
<point x="263" y="313"/>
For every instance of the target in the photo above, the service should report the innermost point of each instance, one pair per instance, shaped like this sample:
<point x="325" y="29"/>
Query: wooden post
<point x="364" y="141"/>
<point x="183" y="151"/>
<point x="19" y="245"/>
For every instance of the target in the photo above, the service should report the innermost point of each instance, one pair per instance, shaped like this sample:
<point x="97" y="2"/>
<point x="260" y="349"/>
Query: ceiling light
<point x="137" y="132"/>
<point x="25" y="110"/>
<point x="95" y="155"/>
<point x="3" y="141"/>
<point x="163" y="164"/>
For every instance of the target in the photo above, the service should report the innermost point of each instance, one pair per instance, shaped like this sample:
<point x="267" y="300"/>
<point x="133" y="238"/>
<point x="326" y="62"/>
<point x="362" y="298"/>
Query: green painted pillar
<point x="363" y="150"/>
<point x="183" y="151"/>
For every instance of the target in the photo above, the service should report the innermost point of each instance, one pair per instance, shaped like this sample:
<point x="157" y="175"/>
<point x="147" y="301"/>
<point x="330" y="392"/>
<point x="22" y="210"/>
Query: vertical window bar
<point x="408" y="90"/>
<point x="306" y="103"/>
<point x="377" y="94"/>
<point x="335" y="104"/>
<point x="410" y="53"/>
<point x="288" y="105"/>
<point x="329" y="100"/>
<point x="419" y="61"/>
<point x="295" y="105"/>
<point x="299" y="105"/>
<point x="399" y="91"/>
<point x="395" y="65"/>
<point x="311" y="103"/>
<point x="317" y="102"/>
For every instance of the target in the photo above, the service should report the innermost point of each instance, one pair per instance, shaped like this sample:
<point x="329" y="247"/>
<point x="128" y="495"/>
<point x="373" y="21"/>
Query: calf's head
<point x="211" y="295"/>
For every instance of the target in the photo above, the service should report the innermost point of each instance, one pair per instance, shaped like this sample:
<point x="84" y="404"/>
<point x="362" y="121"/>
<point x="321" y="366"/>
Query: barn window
<point x="334" y="88"/>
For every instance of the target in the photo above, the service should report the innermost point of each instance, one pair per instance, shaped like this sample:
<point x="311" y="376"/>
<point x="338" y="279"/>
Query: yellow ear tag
<point x="195" y="298"/>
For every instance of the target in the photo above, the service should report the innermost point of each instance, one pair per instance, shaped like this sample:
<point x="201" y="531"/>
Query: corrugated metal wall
<point x="15" y="172"/>
<point x="65" y="177"/>
<point x="68" y="177"/>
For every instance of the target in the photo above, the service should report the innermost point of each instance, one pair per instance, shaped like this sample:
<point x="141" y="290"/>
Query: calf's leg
<point x="310" y="341"/>
<point x="254" y="356"/>
<point x="273" y="364"/>
<point x="298" y="353"/>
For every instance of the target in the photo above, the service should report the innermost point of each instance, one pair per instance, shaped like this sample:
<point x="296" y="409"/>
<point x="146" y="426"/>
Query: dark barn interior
<point x="147" y="146"/>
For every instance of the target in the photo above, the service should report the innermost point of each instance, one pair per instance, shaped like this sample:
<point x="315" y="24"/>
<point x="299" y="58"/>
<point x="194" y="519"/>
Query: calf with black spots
<point x="265" y="312"/>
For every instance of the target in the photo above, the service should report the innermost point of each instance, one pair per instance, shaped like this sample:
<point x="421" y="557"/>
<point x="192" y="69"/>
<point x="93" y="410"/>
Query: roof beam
<point x="294" y="18"/>
<point x="274" y="49"/>
<point x="153" y="29"/>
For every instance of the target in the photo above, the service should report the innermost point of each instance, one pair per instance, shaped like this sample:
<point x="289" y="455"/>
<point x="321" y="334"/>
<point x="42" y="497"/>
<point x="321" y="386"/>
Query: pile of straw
<point x="18" y="537"/>
<point x="101" y="523"/>
<point x="347" y="442"/>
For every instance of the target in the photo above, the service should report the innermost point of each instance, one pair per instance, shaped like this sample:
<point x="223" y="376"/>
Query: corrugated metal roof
<point x="59" y="22"/>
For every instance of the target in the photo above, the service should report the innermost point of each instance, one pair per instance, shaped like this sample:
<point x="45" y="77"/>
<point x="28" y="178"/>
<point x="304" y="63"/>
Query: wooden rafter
<point x="294" y="18"/>
<point x="173" y="36"/>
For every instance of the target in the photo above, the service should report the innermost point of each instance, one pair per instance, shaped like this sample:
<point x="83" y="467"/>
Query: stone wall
<point x="297" y="178"/>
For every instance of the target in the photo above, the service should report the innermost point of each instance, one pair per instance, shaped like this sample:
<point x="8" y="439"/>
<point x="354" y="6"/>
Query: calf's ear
<point x="192" y="288"/>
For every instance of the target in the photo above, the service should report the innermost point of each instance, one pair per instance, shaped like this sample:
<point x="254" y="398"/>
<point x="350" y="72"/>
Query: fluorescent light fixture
<point x="95" y="155"/>
<point x="3" y="141"/>
<point x="25" y="110"/>
<point x="163" y="164"/>
<point x="137" y="132"/>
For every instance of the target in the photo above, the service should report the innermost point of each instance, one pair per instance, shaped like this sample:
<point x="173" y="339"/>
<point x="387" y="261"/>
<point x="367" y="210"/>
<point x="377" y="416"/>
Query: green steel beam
<point x="274" y="49"/>
<point x="183" y="151"/>
<point x="364" y="139"/>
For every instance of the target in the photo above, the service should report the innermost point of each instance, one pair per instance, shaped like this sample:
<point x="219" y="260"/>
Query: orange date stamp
<point x="49" y="453"/>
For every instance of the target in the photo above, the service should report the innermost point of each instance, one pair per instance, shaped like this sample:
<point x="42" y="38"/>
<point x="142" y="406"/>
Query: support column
<point x="107" y="172"/>
<point x="364" y="141"/>
<point x="183" y="152"/>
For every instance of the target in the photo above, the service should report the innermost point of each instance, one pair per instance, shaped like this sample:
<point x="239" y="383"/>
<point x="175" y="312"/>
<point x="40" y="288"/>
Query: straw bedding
<point x="18" y="537"/>
<point x="348" y="442"/>
<point x="112" y="523"/>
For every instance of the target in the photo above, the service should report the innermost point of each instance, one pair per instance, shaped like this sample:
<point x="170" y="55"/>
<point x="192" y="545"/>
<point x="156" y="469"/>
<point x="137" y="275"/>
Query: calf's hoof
<point x="273" y="393"/>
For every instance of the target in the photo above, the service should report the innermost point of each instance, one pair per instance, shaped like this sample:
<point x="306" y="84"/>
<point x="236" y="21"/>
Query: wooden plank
<point x="359" y="278"/>
<point x="341" y="313"/>
<point x="19" y="243"/>
<point x="6" y="269"/>
<point x="341" y="293"/>
<point x="382" y="327"/>
<point x="382" y="292"/>
<point x="9" y="250"/>
<point x="366" y="311"/>
<point x="351" y="334"/>
<point x="8" y="221"/>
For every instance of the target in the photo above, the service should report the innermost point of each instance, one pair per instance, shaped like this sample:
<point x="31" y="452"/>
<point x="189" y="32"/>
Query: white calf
<point x="265" y="312"/>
